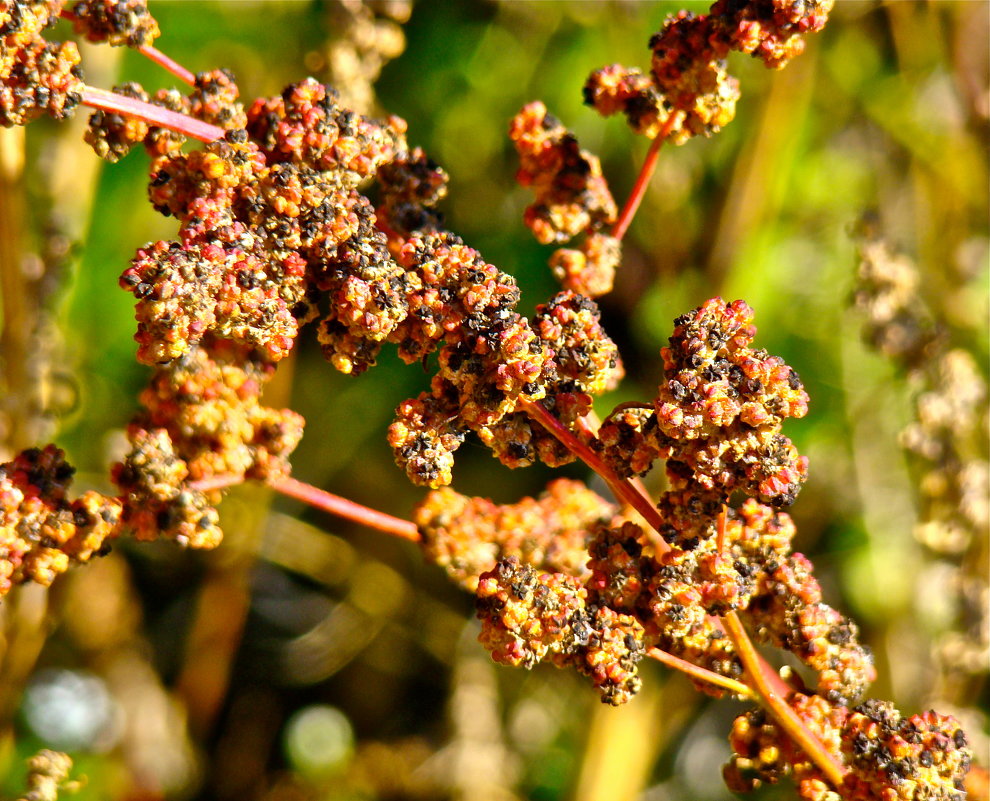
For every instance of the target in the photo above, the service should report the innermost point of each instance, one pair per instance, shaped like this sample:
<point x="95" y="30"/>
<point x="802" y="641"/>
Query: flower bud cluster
<point x="889" y="757"/>
<point x="467" y="536"/>
<point x="42" y="532"/>
<point x="529" y="616"/>
<point x="688" y="74"/>
<point x="37" y="77"/>
<point x="571" y="196"/>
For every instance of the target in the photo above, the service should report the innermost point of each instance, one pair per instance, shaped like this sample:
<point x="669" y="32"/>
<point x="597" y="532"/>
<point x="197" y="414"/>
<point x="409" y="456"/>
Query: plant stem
<point x="346" y="509"/>
<point x="321" y="499"/>
<point x="622" y="490"/>
<point x="156" y="115"/>
<point x="159" y="58"/>
<point x="701" y="674"/>
<point x="776" y="704"/>
<point x="643" y="179"/>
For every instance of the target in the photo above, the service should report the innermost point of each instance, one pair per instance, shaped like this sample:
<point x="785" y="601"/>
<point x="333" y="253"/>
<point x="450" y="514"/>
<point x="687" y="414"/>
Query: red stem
<point x="776" y="704"/>
<point x="643" y="179"/>
<point x="157" y="56"/>
<point x="622" y="490"/>
<point x="321" y="499"/>
<point x="156" y="115"/>
<point x="350" y="510"/>
<point x="723" y="522"/>
<point x="700" y="674"/>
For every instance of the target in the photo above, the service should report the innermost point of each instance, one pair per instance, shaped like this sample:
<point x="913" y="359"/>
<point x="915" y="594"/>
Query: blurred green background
<point x="310" y="659"/>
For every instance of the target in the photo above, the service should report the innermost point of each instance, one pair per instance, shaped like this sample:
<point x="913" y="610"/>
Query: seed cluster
<point x="948" y="443"/>
<point x="890" y="757"/>
<point x="213" y="99"/>
<point x="688" y="74"/>
<point x="42" y="532"/>
<point x="571" y="193"/>
<point x="719" y="395"/>
<point x="115" y="22"/>
<point x="529" y="616"/>
<point x="275" y="232"/>
<point x="491" y="359"/>
<point x="37" y="77"/>
<point x="571" y="196"/>
<point x="467" y="536"/>
<point x="718" y="412"/>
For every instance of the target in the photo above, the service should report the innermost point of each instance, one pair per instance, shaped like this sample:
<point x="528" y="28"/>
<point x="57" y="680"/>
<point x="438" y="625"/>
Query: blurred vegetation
<point x="310" y="659"/>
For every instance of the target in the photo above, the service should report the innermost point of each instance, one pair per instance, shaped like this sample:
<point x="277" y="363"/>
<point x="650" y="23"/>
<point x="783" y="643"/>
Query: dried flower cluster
<point x="718" y="413"/>
<point x="724" y="395"/>
<point x="467" y="536"/>
<point x="43" y="531"/>
<point x="48" y="776"/>
<point x="948" y="440"/>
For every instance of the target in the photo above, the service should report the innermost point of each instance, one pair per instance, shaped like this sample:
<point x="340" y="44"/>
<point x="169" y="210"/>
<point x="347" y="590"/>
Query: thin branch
<point x="350" y="510"/>
<point x="159" y="58"/>
<point x="776" y="704"/>
<point x="321" y="499"/>
<point x="622" y="490"/>
<point x="701" y="674"/>
<point x="156" y="115"/>
<point x="643" y="179"/>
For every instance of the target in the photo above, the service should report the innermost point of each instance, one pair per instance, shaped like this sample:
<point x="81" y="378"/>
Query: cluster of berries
<point x="688" y="74"/>
<point x="889" y="757"/>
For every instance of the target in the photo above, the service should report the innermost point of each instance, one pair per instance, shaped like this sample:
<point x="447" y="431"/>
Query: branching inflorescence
<point x="276" y="231"/>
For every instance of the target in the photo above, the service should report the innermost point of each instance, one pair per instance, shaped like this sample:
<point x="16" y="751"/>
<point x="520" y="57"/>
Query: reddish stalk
<point x="156" y="115"/>
<point x="622" y="490"/>
<point x="643" y="179"/>
<point x="167" y="63"/>
<point x="723" y="521"/>
<point x="776" y="703"/>
<point x="321" y="499"/>
<point x="350" y="510"/>
<point x="700" y="674"/>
